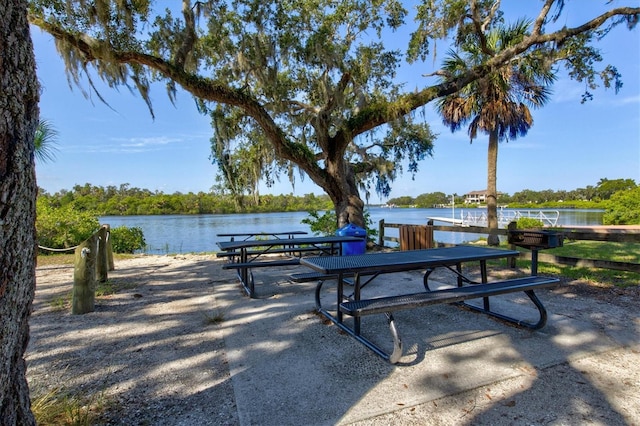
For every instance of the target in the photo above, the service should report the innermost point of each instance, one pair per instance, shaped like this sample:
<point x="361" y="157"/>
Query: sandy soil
<point x="148" y="352"/>
<point x="154" y="350"/>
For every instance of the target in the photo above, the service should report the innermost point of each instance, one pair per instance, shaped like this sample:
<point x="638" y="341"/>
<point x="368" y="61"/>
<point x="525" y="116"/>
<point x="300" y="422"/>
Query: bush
<point x="529" y="223"/>
<point x="322" y="225"/>
<point x="623" y="208"/>
<point x="327" y="224"/>
<point x="63" y="227"/>
<point x="127" y="240"/>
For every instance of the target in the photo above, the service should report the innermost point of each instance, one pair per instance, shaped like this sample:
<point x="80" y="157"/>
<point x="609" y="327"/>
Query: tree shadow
<point x="158" y="356"/>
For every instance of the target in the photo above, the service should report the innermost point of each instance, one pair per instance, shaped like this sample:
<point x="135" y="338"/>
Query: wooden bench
<point x="390" y="304"/>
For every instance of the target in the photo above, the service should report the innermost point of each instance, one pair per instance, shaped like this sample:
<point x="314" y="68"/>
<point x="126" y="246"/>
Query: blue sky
<point x="571" y="145"/>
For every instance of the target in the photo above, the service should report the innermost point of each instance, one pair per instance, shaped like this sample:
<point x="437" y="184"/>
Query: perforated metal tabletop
<point x="403" y="260"/>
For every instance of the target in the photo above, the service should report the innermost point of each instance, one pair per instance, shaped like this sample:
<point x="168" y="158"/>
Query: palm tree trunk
<point x="492" y="192"/>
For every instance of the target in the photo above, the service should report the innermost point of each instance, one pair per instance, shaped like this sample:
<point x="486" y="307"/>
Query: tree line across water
<point x="125" y="200"/>
<point x="68" y="217"/>
<point x="597" y="196"/>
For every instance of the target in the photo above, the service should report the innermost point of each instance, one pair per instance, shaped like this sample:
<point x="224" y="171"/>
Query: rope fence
<point x="58" y="250"/>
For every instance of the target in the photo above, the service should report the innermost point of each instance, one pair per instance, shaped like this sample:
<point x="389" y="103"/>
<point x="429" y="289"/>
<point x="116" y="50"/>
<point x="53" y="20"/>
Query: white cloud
<point x="146" y="142"/>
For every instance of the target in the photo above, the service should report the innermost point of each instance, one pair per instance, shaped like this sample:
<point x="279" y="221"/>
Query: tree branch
<point x="542" y="17"/>
<point x="189" y="35"/>
<point x="380" y="113"/>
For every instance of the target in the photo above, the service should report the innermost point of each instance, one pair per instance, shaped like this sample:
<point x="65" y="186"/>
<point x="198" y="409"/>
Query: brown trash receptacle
<point x="416" y="237"/>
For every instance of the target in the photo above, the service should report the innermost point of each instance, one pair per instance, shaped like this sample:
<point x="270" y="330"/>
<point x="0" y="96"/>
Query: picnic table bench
<point x="248" y="254"/>
<point x="452" y="258"/>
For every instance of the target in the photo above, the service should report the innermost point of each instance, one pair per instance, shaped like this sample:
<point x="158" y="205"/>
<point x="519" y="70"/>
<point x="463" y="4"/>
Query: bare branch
<point x="479" y="27"/>
<point x="189" y="35"/>
<point x="542" y="17"/>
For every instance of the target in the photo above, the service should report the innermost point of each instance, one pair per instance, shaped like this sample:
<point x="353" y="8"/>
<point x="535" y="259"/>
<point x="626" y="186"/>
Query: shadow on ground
<point x="156" y="353"/>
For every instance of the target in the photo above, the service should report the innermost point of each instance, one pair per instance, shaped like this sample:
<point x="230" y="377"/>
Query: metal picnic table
<point x="244" y="255"/>
<point x="362" y="269"/>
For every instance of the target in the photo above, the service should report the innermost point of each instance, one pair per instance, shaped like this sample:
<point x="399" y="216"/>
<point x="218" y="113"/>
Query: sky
<point x="571" y="145"/>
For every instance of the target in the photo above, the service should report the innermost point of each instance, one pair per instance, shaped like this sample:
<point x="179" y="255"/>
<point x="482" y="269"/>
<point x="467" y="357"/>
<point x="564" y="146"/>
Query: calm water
<point x="197" y="233"/>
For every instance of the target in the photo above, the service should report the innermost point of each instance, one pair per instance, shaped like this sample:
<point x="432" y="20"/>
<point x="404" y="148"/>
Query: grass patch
<point x="602" y="250"/>
<point x="618" y="252"/>
<point x="603" y="277"/>
<point x="214" y="317"/>
<point x="110" y="287"/>
<point x="61" y="303"/>
<point x="58" y="407"/>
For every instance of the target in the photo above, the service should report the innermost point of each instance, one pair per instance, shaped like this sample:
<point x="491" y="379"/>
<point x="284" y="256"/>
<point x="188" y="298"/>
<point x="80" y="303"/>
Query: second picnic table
<point x="244" y="255"/>
<point x="253" y="235"/>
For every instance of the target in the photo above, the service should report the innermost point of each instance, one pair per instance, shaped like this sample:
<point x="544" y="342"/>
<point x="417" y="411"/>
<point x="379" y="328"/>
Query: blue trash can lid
<point x="352" y="230"/>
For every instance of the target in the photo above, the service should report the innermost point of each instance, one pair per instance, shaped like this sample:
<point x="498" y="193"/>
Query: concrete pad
<point x="289" y="366"/>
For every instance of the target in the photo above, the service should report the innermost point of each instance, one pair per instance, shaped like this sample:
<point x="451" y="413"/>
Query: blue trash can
<point x="355" y="247"/>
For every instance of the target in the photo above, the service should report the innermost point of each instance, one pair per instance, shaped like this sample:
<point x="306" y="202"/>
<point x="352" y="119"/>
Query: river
<point x="197" y="233"/>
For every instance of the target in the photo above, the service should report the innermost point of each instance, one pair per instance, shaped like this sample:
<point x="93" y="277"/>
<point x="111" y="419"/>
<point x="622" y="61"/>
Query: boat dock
<point x="479" y="218"/>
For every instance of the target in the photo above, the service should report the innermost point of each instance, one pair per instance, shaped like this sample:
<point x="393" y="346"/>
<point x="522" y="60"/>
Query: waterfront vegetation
<point x="125" y="200"/>
<point x="68" y="217"/>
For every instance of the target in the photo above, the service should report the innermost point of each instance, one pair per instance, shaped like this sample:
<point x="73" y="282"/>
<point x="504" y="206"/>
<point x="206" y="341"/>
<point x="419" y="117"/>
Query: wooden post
<point x="381" y="233"/>
<point x="102" y="257"/>
<point x="84" y="276"/>
<point x="109" y="249"/>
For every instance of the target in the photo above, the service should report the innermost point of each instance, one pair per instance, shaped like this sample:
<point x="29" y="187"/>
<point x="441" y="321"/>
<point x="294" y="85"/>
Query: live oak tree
<point x="18" y="121"/>
<point x="312" y="82"/>
<point x="124" y="43"/>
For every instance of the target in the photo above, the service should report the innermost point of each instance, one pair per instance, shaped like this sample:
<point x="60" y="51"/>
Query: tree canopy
<point x="306" y="88"/>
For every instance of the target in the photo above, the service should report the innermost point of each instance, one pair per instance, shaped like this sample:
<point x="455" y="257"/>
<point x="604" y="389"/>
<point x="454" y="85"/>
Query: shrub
<point x="327" y="224"/>
<point x="63" y="227"/>
<point x="623" y="208"/>
<point x="322" y="225"/>
<point x="529" y="223"/>
<point x="127" y="240"/>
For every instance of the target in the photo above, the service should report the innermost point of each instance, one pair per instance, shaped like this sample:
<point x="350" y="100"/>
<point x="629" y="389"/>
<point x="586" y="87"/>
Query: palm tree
<point x="497" y="103"/>
<point x="45" y="141"/>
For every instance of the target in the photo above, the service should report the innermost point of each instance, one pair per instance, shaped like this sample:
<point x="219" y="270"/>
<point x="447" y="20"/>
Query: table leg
<point x="243" y="271"/>
<point x="483" y="274"/>
<point x="356" y="296"/>
<point x="340" y="295"/>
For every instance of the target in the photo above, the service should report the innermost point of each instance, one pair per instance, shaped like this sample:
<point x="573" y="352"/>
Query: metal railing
<point x="548" y="217"/>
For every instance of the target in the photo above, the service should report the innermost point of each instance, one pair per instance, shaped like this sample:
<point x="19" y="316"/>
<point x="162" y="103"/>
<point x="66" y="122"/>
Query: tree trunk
<point x="341" y="187"/>
<point x="492" y="192"/>
<point x="18" y="123"/>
